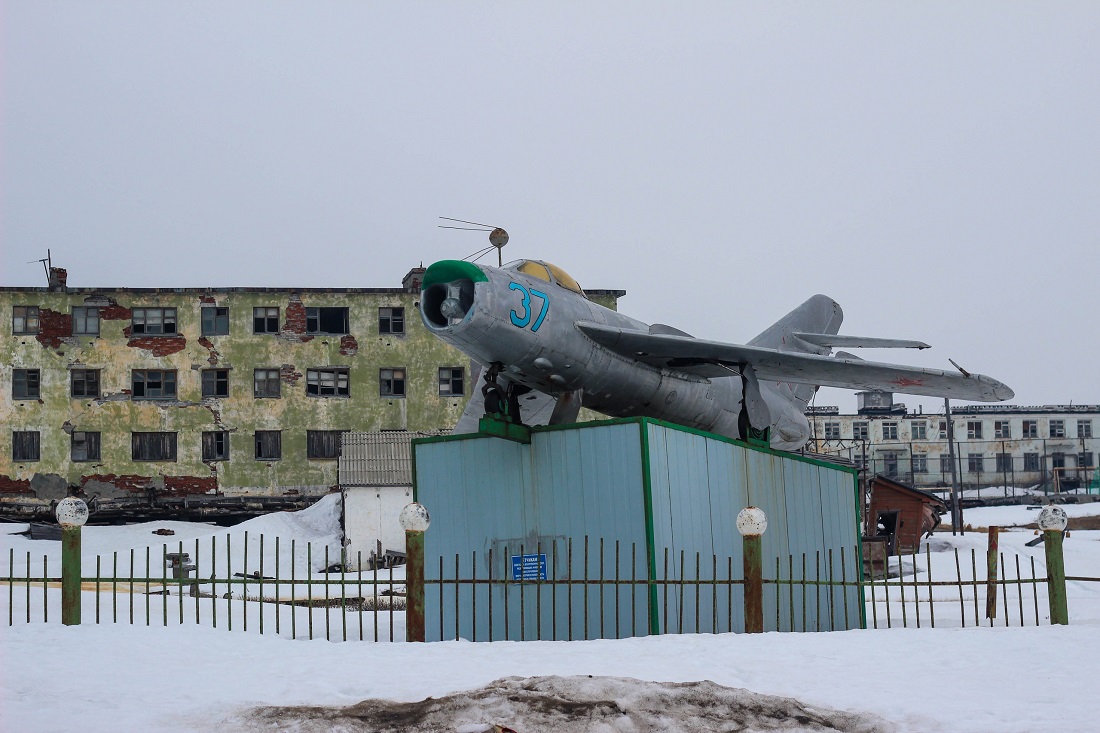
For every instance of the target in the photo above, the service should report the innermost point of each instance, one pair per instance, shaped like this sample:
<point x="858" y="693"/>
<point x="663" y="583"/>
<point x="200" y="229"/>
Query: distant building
<point x="166" y="393"/>
<point x="995" y="445"/>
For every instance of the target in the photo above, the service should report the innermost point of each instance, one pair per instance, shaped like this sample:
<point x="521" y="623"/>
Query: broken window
<point x="391" y="321"/>
<point x="84" y="382"/>
<point x="269" y="445"/>
<point x="1084" y="428"/>
<point x="1031" y="429"/>
<point x="154" y="384"/>
<point x="1031" y="461"/>
<point x="215" y="445"/>
<point x="1057" y="428"/>
<point x="920" y="463"/>
<point x="215" y="320"/>
<point x="860" y="430"/>
<point x="1004" y="462"/>
<point x="329" y="382"/>
<point x="85" y="446"/>
<point x="25" y="445"/>
<point x="86" y="320"/>
<point x="154" y="322"/>
<point x="889" y="430"/>
<point x="974" y="429"/>
<point x="391" y="382"/>
<point x="25" y="319"/>
<point x="945" y="464"/>
<point x="323" y="443"/>
<point x="918" y="429"/>
<point x="26" y="384"/>
<point x="1057" y="460"/>
<point x="153" y="446"/>
<point x="215" y="382"/>
<point x="265" y="383"/>
<point x="974" y="462"/>
<point x="832" y="431"/>
<point x="265" y="320"/>
<point x="1002" y="429"/>
<point x="451" y="381"/>
<point x="943" y="430"/>
<point x="327" y="320"/>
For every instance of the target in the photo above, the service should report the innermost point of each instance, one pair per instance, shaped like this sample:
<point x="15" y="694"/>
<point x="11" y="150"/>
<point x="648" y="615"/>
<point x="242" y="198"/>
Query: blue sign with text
<point x="529" y="567"/>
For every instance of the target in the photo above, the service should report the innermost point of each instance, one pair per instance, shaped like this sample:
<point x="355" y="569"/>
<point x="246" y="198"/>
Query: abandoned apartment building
<point x="1051" y="446"/>
<point x="148" y="392"/>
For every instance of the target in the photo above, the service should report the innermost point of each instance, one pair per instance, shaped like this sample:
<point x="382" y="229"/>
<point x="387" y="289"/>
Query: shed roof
<point x="924" y="496"/>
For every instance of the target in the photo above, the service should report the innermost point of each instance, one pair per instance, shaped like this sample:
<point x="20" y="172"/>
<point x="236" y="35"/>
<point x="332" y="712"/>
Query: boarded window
<point x="153" y="322"/>
<point x="153" y="446"/>
<point x="1031" y="461"/>
<point x="215" y="321"/>
<point x="85" y="446"/>
<point x="25" y="445"/>
<point x="265" y="320"/>
<point x="391" y="320"/>
<point x="331" y="382"/>
<point x="269" y="445"/>
<point x="215" y="445"/>
<point x="265" y="383"/>
<point x="84" y="382"/>
<point x="25" y="319"/>
<point x="323" y="443"/>
<point x="86" y="320"/>
<point x="391" y="382"/>
<point x="154" y="384"/>
<point x="327" y="320"/>
<point x="26" y="384"/>
<point x="215" y="382"/>
<point x="451" y="381"/>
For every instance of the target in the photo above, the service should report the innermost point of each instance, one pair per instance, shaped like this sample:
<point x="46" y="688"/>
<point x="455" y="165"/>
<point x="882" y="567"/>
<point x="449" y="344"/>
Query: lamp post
<point x="71" y="514"/>
<point x="1052" y="522"/>
<point x="752" y="523"/>
<point x="414" y="520"/>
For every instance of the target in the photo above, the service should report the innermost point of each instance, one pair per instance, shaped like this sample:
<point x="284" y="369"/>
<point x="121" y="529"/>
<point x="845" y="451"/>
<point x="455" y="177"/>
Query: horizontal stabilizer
<point x="859" y="342"/>
<point x="717" y="359"/>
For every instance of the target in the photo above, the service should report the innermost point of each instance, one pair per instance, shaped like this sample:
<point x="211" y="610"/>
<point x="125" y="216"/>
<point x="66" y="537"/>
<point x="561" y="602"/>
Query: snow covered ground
<point x="122" y="677"/>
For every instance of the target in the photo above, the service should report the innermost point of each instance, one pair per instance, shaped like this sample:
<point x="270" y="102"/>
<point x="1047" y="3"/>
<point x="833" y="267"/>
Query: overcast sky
<point x="934" y="167"/>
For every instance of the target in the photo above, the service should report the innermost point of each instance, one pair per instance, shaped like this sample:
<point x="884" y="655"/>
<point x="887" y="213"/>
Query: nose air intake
<point x="445" y="304"/>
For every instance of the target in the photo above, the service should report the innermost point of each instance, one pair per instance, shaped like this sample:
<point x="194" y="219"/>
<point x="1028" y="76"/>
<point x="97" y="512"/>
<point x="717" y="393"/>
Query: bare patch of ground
<point x="581" y="704"/>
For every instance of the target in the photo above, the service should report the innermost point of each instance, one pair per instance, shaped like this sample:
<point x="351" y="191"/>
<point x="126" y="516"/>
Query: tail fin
<point x="819" y="314"/>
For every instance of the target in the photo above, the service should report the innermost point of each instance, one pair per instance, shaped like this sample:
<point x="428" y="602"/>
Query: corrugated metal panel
<point x="377" y="459"/>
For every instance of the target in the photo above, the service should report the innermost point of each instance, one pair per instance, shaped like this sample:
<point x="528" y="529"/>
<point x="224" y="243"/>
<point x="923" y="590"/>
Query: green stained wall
<point x="54" y="351"/>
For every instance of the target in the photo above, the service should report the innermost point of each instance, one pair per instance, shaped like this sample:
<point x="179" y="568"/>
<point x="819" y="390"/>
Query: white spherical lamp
<point x="71" y="512"/>
<point x="414" y="518"/>
<point x="1052" y="518"/>
<point x="751" y="521"/>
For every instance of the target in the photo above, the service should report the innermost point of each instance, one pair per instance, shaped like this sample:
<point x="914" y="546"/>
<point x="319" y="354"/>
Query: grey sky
<point x="934" y="167"/>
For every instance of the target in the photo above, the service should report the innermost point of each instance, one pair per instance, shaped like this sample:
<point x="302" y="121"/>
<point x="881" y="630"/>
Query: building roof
<point x="924" y="496"/>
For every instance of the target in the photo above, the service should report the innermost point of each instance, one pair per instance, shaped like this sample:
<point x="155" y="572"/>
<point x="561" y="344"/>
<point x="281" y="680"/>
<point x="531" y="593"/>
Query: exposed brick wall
<point x="294" y="327"/>
<point x="190" y="484"/>
<point x="348" y="345"/>
<point x="209" y="346"/>
<point x="158" y="345"/>
<point x="129" y="482"/>
<point x="114" y="312"/>
<point x="288" y="374"/>
<point x="54" y="327"/>
<point x="9" y="485"/>
<point x="207" y="300"/>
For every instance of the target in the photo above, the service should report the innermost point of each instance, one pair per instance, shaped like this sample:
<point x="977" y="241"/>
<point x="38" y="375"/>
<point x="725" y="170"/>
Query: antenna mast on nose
<point x="497" y="238"/>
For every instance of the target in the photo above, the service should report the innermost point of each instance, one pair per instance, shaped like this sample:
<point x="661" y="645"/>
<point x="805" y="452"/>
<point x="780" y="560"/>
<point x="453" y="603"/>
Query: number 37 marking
<point x="521" y="319"/>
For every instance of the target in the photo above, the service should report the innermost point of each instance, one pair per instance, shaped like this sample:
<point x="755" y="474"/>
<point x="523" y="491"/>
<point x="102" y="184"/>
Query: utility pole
<point x="956" y="510"/>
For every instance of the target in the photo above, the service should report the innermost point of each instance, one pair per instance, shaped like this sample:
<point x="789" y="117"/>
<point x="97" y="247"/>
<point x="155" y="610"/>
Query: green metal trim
<point x="412" y="455"/>
<point x="859" y="557"/>
<point x="446" y="271"/>
<point x="497" y="428"/>
<point x="651" y="550"/>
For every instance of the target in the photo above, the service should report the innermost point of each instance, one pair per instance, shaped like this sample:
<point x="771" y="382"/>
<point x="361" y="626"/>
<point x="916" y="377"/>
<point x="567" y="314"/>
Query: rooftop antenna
<point x="47" y="262"/>
<point x="497" y="238"/>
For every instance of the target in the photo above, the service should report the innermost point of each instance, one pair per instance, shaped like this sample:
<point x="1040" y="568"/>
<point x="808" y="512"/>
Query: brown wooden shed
<point x="902" y="514"/>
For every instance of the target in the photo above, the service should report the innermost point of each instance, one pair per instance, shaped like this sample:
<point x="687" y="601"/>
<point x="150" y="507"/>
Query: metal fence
<point x="290" y="596"/>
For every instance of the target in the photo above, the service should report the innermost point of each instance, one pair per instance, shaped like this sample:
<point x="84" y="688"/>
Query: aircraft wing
<point x="715" y="359"/>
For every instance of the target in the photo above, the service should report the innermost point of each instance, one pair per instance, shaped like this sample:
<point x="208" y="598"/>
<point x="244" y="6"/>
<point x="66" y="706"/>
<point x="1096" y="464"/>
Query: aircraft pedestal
<point x="634" y="499"/>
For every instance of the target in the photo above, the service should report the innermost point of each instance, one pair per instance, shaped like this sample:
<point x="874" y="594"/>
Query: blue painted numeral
<point x="523" y="319"/>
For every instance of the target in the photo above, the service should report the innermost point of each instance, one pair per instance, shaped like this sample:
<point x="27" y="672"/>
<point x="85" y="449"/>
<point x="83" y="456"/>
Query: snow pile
<point x="575" y="704"/>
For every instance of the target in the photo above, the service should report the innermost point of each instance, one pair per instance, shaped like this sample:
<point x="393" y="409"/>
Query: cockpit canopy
<point x="546" y="271"/>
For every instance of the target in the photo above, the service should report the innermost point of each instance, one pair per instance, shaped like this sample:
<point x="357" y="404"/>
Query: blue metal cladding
<point x="492" y="497"/>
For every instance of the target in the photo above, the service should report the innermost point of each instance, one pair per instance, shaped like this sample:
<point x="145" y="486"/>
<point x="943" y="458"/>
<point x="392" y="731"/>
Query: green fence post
<point x="1052" y="521"/>
<point x="751" y="523"/>
<point x="71" y="514"/>
<point x="414" y="519"/>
